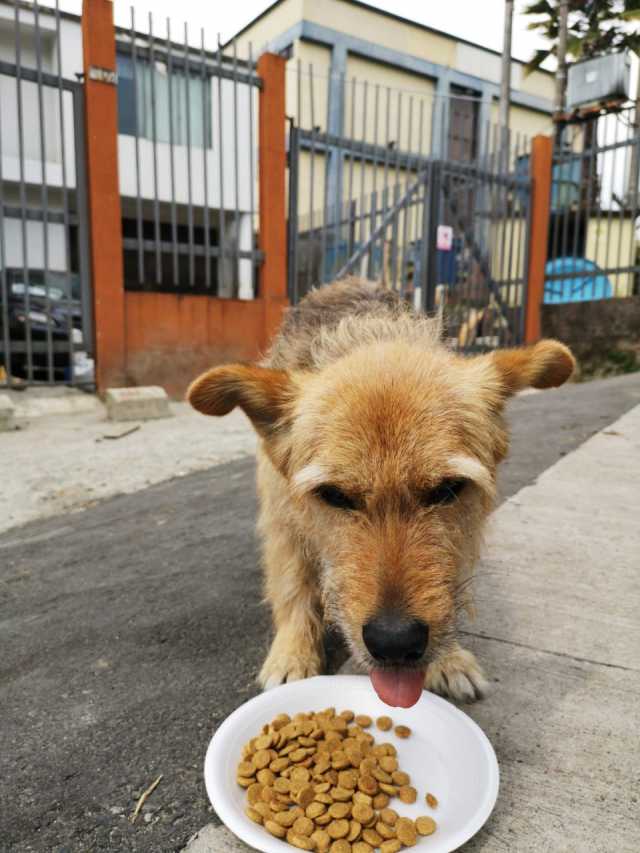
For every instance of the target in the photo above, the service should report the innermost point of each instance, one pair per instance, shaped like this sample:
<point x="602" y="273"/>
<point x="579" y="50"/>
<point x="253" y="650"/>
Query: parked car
<point x="31" y="316"/>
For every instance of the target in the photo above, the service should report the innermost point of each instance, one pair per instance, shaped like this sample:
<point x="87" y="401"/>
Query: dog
<point x="376" y="473"/>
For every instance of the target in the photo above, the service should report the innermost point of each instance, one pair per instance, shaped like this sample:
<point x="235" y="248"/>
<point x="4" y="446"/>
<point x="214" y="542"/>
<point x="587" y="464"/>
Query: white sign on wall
<point x="444" y="239"/>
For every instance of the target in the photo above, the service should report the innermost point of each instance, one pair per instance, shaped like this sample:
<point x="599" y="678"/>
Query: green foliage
<point x="595" y="27"/>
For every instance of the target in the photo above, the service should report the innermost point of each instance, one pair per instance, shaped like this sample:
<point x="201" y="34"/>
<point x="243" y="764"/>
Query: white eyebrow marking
<point x="309" y="477"/>
<point x="472" y="469"/>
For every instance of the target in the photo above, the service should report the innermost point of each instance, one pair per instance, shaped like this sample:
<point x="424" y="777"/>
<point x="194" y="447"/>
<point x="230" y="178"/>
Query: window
<point x="463" y="125"/>
<point x="184" y="94"/>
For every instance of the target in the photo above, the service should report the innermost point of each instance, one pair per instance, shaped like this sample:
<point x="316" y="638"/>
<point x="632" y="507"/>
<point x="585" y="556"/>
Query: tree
<point x="596" y="27"/>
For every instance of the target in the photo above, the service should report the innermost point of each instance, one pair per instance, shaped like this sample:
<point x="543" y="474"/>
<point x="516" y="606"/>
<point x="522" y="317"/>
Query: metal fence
<point x="421" y="193"/>
<point x="594" y="248"/>
<point x="45" y="305"/>
<point x="187" y="155"/>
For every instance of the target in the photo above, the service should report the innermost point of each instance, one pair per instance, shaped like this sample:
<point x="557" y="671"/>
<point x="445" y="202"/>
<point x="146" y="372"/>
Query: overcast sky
<point x="479" y="21"/>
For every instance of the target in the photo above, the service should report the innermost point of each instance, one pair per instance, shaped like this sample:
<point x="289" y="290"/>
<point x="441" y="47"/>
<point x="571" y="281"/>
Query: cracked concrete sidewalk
<point x="558" y="598"/>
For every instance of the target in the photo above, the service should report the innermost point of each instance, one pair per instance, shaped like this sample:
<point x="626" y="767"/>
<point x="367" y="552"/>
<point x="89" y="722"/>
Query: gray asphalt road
<point x="130" y="631"/>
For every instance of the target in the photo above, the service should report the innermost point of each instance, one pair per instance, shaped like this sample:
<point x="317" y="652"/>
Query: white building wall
<point x="224" y="134"/>
<point x="35" y="232"/>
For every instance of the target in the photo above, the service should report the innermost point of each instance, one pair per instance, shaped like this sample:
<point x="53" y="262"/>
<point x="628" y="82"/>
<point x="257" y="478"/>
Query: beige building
<point x="369" y="77"/>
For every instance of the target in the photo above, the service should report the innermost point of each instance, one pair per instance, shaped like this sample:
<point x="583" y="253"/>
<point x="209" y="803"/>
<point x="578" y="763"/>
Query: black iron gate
<point x="449" y="237"/>
<point x="45" y="306"/>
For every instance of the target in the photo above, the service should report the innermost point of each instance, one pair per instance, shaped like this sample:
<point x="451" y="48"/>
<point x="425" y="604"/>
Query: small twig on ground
<point x="119" y="434"/>
<point x="143" y="798"/>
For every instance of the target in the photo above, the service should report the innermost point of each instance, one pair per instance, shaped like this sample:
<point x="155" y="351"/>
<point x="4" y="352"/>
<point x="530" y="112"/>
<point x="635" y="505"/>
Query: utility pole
<point x="634" y="168"/>
<point x="505" y="83"/>
<point x="561" y="73"/>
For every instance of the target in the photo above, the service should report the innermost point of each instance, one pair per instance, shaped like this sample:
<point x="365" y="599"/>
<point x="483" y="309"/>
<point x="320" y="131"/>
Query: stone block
<point x="137" y="404"/>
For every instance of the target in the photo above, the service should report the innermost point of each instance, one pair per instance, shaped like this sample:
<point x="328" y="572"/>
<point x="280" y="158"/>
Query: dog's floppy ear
<point x="546" y="364"/>
<point x="263" y="394"/>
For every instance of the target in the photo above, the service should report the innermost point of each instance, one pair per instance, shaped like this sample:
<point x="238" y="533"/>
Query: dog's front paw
<point x="458" y="675"/>
<point x="288" y="662"/>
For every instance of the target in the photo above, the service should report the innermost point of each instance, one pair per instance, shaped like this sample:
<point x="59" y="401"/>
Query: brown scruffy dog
<point x="376" y="473"/>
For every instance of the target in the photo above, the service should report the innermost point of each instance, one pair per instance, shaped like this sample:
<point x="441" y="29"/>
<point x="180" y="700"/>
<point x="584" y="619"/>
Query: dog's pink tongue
<point x="399" y="688"/>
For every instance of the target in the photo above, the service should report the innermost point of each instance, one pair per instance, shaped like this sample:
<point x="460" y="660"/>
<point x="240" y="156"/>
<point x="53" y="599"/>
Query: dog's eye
<point x="333" y="496"/>
<point x="445" y="493"/>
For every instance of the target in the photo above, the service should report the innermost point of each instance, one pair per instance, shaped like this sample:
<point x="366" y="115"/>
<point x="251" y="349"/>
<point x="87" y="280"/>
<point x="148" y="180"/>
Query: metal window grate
<point x="187" y="164"/>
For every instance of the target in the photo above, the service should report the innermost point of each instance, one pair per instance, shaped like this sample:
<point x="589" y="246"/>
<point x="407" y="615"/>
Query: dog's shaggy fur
<point x="359" y="394"/>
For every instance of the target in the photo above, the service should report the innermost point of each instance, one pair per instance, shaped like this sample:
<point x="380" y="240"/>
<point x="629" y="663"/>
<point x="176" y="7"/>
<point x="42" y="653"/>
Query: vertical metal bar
<point x="206" y="129"/>
<point x="311" y="239"/>
<point x="522" y="316"/>
<point x="591" y="165"/>
<point x="172" y="166"/>
<point x="22" y="193"/>
<point x="635" y="159"/>
<point x="424" y="248"/>
<point x="362" y="164"/>
<point x="598" y="222"/>
<point x="556" y="195"/>
<point x="6" y="340"/>
<point x="406" y="211"/>
<point x="236" y="171"/>
<point x="512" y="202"/>
<point x="221" y="214"/>
<point x="373" y="201"/>
<point x="325" y="197"/>
<point x="445" y="126"/>
<point x="44" y="203"/>
<point x="505" y="145"/>
<point x="338" y="206"/>
<point x="374" y="166"/>
<point x="566" y="207"/>
<point x="298" y="120"/>
<point x="431" y="267"/>
<point x="252" y="148"/>
<point x="624" y="171"/>
<point x="352" y="145"/>
<point x="396" y="196"/>
<point x="581" y="201"/>
<point x="294" y="157"/>
<point x="522" y="238"/>
<point x="187" y="82"/>
<point x="154" y="132"/>
<point x="82" y="212"/>
<point x="87" y="325"/>
<point x="136" y="107"/>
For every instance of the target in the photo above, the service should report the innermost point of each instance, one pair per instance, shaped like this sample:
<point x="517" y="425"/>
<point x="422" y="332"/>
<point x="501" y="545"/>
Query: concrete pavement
<point x="558" y="630"/>
<point x="127" y="636"/>
<point x="65" y="463"/>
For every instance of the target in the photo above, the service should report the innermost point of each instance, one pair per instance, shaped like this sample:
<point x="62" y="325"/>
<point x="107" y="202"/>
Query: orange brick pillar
<point x="272" y="165"/>
<point x="105" y="228"/>
<point x="541" y="170"/>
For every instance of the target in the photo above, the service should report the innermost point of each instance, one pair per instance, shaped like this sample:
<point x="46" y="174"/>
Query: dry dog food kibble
<point x="320" y="782"/>
<point x="426" y="825"/>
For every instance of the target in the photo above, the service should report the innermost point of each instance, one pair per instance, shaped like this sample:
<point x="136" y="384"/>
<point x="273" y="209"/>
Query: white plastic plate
<point x="447" y="755"/>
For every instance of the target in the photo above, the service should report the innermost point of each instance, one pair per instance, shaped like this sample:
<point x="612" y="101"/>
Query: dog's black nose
<point x="395" y="639"/>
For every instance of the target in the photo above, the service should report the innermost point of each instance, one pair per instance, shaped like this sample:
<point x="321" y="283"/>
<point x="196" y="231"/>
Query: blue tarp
<point x="592" y="284"/>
